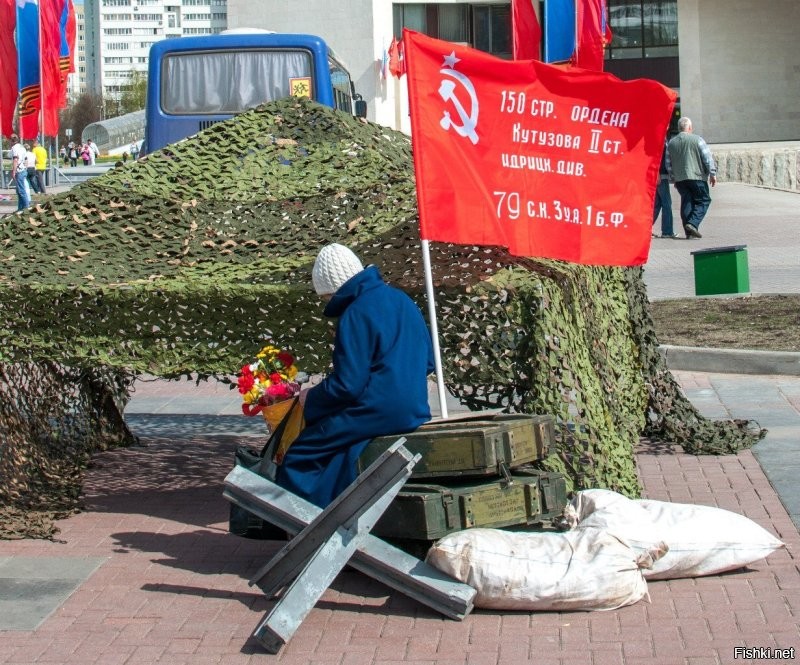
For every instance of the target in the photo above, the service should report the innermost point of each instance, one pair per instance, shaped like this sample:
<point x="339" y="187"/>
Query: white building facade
<point x="119" y="33"/>
<point x="76" y="81"/>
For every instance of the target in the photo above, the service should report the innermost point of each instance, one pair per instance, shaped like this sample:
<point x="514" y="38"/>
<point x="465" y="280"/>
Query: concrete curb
<point x="731" y="361"/>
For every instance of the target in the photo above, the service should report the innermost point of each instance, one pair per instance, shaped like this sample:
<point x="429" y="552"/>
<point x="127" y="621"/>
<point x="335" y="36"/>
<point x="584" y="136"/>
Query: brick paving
<point x="173" y="588"/>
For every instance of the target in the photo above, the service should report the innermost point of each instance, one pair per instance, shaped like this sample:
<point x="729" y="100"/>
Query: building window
<point x="492" y="29"/>
<point x="486" y="27"/>
<point x="643" y="29"/>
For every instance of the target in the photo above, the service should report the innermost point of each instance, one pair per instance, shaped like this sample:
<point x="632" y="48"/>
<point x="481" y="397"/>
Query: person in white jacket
<point x="94" y="152"/>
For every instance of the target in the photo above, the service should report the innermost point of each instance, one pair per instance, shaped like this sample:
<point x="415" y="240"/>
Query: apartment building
<point x="76" y="82"/>
<point x="119" y="33"/>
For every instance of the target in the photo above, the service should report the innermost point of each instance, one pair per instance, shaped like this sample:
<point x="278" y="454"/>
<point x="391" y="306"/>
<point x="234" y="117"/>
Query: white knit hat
<point x="335" y="264"/>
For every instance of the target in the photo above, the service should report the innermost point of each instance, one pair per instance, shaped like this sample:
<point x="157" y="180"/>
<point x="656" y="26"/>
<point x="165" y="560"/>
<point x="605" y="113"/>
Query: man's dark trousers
<point x="695" y="200"/>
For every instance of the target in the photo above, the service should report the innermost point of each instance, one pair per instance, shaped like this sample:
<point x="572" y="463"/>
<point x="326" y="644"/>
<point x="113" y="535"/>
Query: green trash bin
<point x="721" y="270"/>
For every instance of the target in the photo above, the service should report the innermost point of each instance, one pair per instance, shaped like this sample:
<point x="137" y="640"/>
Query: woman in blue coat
<point x="382" y="356"/>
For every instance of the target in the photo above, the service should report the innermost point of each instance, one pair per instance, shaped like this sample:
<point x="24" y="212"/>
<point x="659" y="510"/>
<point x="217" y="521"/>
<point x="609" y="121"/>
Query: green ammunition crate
<point x="543" y="427"/>
<point x="471" y="447"/>
<point x="427" y="512"/>
<point x="552" y="492"/>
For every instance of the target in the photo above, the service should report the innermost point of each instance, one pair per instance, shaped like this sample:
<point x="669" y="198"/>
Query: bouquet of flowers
<point x="270" y="380"/>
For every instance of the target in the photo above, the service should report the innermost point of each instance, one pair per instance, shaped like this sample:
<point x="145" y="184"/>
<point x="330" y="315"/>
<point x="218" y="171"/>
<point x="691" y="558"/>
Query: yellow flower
<point x="252" y="395"/>
<point x="292" y="372"/>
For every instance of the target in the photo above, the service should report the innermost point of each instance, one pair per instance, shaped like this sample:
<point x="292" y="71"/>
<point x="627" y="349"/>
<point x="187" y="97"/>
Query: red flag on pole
<point x="593" y="34"/>
<point x="397" y="61"/>
<point x="50" y="53"/>
<point x="9" y="83"/>
<point x="525" y="31"/>
<point x="547" y="161"/>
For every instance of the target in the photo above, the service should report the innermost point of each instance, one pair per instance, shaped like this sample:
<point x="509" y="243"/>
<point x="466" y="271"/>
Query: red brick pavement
<point x="174" y="586"/>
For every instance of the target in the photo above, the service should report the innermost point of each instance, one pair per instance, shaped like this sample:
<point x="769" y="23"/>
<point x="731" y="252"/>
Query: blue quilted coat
<point x="381" y="359"/>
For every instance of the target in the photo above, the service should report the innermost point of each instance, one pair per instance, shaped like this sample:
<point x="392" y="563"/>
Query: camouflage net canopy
<point x="184" y="263"/>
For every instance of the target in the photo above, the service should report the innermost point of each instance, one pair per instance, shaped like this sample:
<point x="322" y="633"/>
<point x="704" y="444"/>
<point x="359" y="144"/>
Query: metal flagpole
<point x="2" y="160"/>
<point x="41" y="75"/>
<point x="437" y="357"/>
<point x="426" y="262"/>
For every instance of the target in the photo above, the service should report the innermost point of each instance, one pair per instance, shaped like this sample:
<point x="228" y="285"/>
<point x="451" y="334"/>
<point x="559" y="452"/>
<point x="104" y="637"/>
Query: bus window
<point x="342" y="87"/>
<point x="229" y="82"/>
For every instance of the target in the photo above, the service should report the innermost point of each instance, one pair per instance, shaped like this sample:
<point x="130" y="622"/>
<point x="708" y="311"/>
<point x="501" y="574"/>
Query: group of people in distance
<point x="86" y="152"/>
<point x="687" y="162"/>
<point x="29" y="164"/>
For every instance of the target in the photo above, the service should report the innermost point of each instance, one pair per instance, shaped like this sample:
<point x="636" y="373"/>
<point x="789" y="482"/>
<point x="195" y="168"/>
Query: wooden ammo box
<point x="427" y="512"/>
<point x="477" y="445"/>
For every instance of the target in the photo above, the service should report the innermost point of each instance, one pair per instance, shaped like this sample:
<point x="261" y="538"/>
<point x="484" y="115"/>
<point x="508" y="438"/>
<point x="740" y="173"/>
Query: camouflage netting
<point x="184" y="263"/>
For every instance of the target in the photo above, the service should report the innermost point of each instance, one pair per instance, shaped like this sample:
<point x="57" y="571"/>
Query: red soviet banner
<point x="547" y="161"/>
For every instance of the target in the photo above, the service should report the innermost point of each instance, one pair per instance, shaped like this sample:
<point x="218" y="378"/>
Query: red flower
<point x="286" y="358"/>
<point x="275" y="378"/>
<point x="279" y="392"/>
<point x="246" y="380"/>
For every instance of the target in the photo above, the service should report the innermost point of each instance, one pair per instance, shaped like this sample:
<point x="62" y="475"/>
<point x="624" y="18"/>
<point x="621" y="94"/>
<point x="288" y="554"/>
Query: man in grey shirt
<point x="691" y="168"/>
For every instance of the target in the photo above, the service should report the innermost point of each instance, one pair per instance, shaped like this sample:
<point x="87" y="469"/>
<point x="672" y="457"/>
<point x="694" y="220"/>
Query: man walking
<point x="30" y="159"/>
<point x="692" y="167"/>
<point x="19" y="170"/>
<point x="41" y="165"/>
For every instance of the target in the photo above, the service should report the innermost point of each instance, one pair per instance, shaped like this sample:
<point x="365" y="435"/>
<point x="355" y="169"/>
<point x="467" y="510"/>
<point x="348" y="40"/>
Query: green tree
<point x="133" y="95"/>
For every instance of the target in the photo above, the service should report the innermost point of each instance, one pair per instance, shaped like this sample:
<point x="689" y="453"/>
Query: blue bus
<point x="194" y="82"/>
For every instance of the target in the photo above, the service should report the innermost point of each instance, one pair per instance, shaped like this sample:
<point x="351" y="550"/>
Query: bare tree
<point x="85" y="110"/>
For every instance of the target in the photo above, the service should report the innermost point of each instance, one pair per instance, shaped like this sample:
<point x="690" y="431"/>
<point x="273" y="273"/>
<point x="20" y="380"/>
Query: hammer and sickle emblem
<point x="469" y="121"/>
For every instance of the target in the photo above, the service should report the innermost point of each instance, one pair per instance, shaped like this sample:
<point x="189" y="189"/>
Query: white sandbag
<point x="622" y="517"/>
<point x="704" y="540"/>
<point x="585" y="569"/>
<point x="587" y="502"/>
